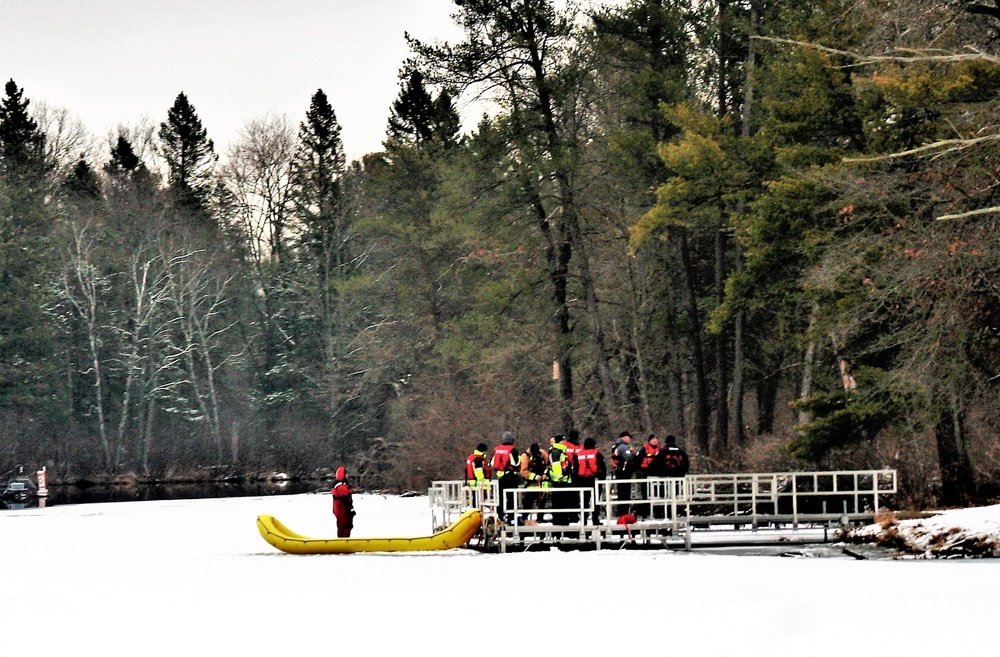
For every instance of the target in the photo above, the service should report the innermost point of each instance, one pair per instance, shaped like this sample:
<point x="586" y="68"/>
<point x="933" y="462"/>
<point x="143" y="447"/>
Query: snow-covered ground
<point x="955" y="533"/>
<point x="194" y="577"/>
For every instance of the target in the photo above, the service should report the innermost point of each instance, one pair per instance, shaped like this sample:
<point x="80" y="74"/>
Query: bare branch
<point x="908" y="56"/>
<point x="946" y="146"/>
<point x="971" y="213"/>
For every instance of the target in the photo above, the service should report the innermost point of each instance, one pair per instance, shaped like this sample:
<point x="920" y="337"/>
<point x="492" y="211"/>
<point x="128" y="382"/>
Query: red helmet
<point x="341" y="473"/>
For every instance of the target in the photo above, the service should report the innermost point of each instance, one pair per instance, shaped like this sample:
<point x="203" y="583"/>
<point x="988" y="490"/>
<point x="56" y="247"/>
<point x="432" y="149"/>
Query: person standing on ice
<point x="343" y="504"/>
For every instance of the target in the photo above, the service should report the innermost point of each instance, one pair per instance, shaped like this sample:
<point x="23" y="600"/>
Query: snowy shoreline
<point x="956" y="533"/>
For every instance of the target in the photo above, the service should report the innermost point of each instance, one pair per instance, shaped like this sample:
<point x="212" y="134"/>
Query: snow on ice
<point x="195" y="577"/>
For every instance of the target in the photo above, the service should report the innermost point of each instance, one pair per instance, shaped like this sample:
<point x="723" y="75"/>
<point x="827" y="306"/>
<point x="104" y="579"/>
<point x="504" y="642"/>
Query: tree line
<point x="766" y="228"/>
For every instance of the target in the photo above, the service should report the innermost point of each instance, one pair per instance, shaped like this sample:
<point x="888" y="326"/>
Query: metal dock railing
<point x="704" y="509"/>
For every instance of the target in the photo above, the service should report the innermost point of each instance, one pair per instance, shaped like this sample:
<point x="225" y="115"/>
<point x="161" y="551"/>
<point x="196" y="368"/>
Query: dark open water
<point x="61" y="495"/>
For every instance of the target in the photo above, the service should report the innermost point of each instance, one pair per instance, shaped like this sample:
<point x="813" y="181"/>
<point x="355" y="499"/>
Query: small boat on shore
<point x="20" y="489"/>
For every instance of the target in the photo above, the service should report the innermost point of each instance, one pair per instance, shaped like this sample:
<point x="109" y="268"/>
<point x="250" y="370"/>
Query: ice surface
<point x="195" y="577"/>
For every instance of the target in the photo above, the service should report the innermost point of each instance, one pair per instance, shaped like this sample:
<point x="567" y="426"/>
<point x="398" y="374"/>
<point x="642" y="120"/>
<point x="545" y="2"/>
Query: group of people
<point x="544" y="472"/>
<point x="650" y="460"/>
<point x="568" y="463"/>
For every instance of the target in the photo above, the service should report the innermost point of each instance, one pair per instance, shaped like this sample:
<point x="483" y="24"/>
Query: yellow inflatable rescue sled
<point x="456" y="535"/>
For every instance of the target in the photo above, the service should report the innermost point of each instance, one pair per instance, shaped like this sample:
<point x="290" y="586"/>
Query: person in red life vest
<point x="642" y="460"/>
<point x="476" y="471"/>
<point x="671" y="460"/>
<point x="506" y="466"/>
<point x="573" y="447"/>
<point x="587" y="468"/>
<point x="343" y="504"/>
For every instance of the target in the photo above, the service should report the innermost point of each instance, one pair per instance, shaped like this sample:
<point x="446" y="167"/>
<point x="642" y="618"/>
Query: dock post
<point x="43" y="489"/>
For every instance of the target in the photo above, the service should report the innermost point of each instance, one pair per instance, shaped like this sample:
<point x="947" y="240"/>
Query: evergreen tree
<point x="316" y="174"/>
<point x="447" y="122"/>
<point x="642" y="50"/>
<point x="25" y="225"/>
<point x="524" y="55"/>
<point x="82" y="182"/>
<point x="417" y="117"/>
<point x="123" y="159"/>
<point x="190" y="157"/>
<point x="319" y="163"/>
<point x="22" y="145"/>
<point x="128" y="174"/>
<point x="324" y="257"/>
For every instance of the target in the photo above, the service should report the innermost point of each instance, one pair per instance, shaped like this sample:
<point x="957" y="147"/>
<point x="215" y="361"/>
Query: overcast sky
<point x="116" y="61"/>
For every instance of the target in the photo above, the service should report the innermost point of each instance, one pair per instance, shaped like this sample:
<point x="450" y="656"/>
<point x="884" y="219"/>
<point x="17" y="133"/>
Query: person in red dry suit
<point x="343" y="504"/>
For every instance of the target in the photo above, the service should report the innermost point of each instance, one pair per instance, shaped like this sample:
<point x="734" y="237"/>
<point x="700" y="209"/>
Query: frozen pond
<point x="183" y="576"/>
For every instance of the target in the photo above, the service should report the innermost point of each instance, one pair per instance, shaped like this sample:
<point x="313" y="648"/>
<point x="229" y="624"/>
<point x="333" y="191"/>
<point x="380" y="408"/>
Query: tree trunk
<point x="737" y="428"/>
<point x="639" y="364"/>
<point x="805" y="391"/>
<point x="700" y="393"/>
<point x="767" y="399"/>
<point x="602" y="418"/>
<point x="721" y="347"/>
<point x="957" y="482"/>
<point x="558" y="252"/>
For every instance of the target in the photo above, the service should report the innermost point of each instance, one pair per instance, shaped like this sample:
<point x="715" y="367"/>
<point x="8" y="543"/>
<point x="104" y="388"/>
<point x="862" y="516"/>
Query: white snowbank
<point x="953" y="533"/>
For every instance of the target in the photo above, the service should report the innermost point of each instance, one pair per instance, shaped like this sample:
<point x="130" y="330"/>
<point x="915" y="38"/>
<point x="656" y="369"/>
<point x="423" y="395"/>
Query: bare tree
<point x="198" y="296"/>
<point x="66" y="139"/>
<point x="145" y="331"/>
<point x="258" y="179"/>
<point x="83" y="286"/>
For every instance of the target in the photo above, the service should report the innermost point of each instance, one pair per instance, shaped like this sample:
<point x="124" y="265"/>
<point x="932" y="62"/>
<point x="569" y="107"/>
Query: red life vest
<point x="675" y="462"/>
<point x="470" y="466"/>
<point x="501" y="458"/>
<point x="571" y="452"/>
<point x="647" y="456"/>
<point x="586" y="463"/>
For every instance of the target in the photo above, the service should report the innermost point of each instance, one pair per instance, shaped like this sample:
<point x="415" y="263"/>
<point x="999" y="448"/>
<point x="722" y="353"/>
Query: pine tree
<point x="190" y="157"/>
<point x="522" y="55"/>
<point x="418" y="118"/>
<point x="22" y="144"/>
<point x="25" y="224"/>
<point x="322" y="250"/>
<point x="123" y="160"/>
<point x="412" y="112"/>
<point x="319" y="164"/>
<point x="82" y="182"/>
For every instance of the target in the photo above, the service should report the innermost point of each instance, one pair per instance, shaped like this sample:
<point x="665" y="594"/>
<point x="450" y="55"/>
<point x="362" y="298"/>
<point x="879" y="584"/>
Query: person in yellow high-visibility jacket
<point x="477" y="473"/>
<point x="559" y="478"/>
